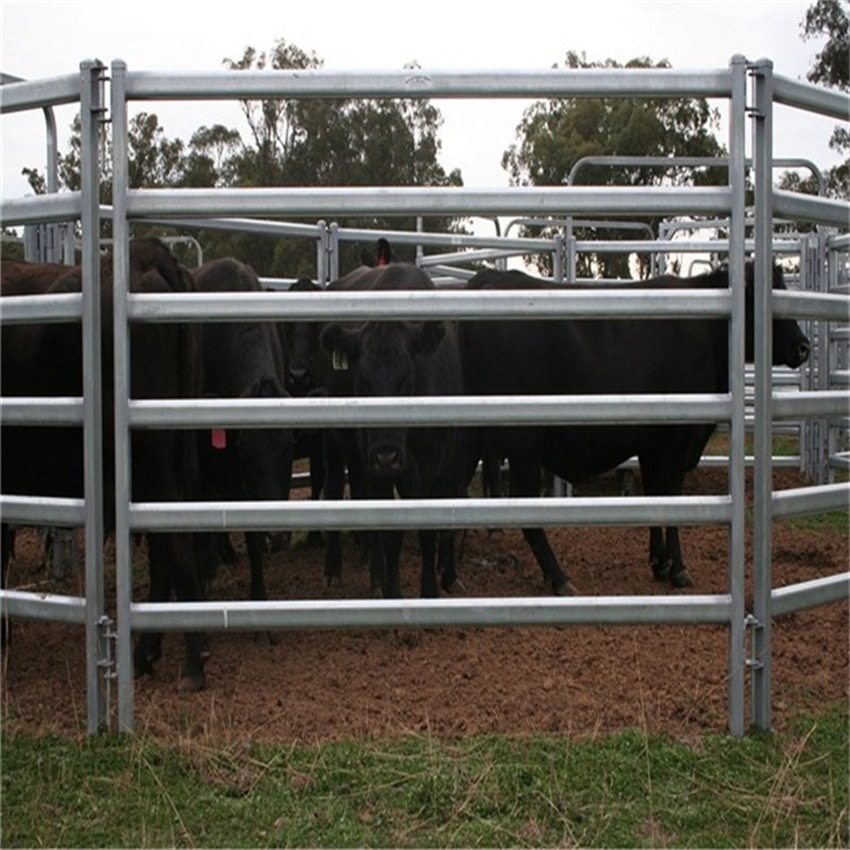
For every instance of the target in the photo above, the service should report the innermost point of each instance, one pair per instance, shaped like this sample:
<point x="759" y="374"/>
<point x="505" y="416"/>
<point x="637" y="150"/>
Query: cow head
<point x="379" y="359"/>
<point x="791" y="347"/>
<point x="300" y="342"/>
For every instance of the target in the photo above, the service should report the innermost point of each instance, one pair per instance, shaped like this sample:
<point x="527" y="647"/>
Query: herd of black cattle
<point x="231" y="359"/>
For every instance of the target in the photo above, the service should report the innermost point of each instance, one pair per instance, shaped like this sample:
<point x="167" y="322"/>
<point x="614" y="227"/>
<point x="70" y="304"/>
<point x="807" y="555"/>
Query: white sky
<point x="44" y="38"/>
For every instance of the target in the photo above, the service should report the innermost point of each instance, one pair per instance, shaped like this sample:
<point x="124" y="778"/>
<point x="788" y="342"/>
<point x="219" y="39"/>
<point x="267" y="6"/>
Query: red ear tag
<point x="219" y="438"/>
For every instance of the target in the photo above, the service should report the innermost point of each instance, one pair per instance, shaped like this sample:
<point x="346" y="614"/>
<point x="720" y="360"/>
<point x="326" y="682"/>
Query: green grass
<point x="627" y="790"/>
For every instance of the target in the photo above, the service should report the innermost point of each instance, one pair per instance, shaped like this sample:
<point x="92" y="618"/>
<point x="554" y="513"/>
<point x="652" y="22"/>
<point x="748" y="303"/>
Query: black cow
<point x="243" y="359"/>
<point x="392" y="358"/>
<point x="606" y="357"/>
<point x="46" y="360"/>
<point x="300" y="341"/>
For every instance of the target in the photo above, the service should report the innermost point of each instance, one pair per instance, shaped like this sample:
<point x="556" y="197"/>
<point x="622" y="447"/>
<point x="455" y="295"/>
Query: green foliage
<point x="290" y="143"/>
<point x="555" y="134"/>
<point x="831" y="68"/>
<point x="832" y="64"/>
<point x="627" y="790"/>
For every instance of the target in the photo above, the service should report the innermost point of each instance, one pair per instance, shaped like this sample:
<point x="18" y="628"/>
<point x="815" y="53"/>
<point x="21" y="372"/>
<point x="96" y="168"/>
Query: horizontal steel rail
<point x="41" y="309"/>
<point x="418" y="83"/>
<point x="430" y="613"/>
<point x="790" y="92"/>
<point x="40" y="209"/>
<point x="810" y="500"/>
<point x="43" y="606"/>
<point x="811" y="305"/>
<point x="414" y="201"/>
<point x="43" y="510"/>
<point x="35" y="94"/>
<point x="810" y="403"/>
<point x="544" y="511"/>
<point x="423" y="411"/>
<point x="809" y="208"/>
<point x="588" y="303"/>
<point x="41" y="410"/>
<point x="809" y="594"/>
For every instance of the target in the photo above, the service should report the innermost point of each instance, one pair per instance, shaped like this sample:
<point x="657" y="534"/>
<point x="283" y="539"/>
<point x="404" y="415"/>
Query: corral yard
<point x="327" y="685"/>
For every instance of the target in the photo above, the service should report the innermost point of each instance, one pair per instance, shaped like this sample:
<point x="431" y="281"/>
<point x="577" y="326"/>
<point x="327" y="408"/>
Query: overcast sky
<point x="44" y="38"/>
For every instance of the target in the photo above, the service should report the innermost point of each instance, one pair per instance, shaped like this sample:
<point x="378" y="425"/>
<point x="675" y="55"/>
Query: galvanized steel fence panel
<point x="211" y="207"/>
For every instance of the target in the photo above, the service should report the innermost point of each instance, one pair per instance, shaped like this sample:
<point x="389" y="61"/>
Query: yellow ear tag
<point x="339" y="359"/>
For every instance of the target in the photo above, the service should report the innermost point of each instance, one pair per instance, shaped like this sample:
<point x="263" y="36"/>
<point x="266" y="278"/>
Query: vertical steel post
<point x="333" y="252"/>
<point x="762" y="73"/>
<point x="91" y="115"/>
<point x="321" y="251"/>
<point x="737" y="183"/>
<point x="121" y="278"/>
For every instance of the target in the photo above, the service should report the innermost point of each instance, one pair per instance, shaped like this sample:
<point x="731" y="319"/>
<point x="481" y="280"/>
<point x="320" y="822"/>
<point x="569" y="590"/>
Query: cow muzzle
<point x="386" y="459"/>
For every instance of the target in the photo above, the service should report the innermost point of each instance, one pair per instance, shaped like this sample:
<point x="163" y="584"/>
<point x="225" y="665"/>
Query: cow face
<point x="380" y="361"/>
<point x="300" y="341"/>
<point x="791" y="347"/>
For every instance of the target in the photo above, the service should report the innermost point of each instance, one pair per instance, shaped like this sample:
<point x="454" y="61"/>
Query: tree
<point x="347" y="142"/>
<point x="555" y="134"/>
<point x="832" y="64"/>
<point x="289" y="143"/>
<point x="831" y="68"/>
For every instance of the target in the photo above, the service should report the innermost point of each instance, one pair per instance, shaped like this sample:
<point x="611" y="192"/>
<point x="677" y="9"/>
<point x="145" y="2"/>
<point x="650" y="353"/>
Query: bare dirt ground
<point x="315" y="686"/>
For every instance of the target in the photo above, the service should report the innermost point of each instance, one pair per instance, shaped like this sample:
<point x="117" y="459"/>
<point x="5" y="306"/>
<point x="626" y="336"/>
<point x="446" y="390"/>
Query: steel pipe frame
<point x="768" y="90"/>
<point x="431" y="513"/>
<point x="352" y="412"/>
<point x="720" y="84"/>
<point x="460" y="305"/>
<point x="84" y="87"/>
<point x="43" y="510"/>
<point x="731" y="84"/>
<point x="418" y="83"/>
<point x="809" y="594"/>
<point x="135" y="204"/>
<point x="430" y="613"/>
<point x="51" y="607"/>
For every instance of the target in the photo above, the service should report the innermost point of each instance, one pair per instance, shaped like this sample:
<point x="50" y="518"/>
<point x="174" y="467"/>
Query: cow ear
<point x="340" y="344"/>
<point x="429" y="337"/>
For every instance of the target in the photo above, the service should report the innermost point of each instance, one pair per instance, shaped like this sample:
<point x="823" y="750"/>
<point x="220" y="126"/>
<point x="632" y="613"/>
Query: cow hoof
<point x="567" y="588"/>
<point x="143" y="662"/>
<point x="192" y="683"/>
<point x="456" y="588"/>
<point x="660" y="571"/>
<point x="333" y="581"/>
<point x="681" y="579"/>
<point x="269" y="638"/>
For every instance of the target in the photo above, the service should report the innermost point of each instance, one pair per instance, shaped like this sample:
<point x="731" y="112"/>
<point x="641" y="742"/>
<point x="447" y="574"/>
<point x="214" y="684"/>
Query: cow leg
<point x="539" y="544"/>
<point x="148" y="648"/>
<point x="334" y="489"/>
<point x="377" y="564"/>
<point x="525" y="481"/>
<point x="679" y="575"/>
<point x="255" y="542"/>
<point x="317" y="479"/>
<point x="392" y="541"/>
<point x="446" y="560"/>
<point x="172" y="562"/>
<point x="428" y="551"/>
<point x="658" y="554"/>
<point x="661" y="478"/>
